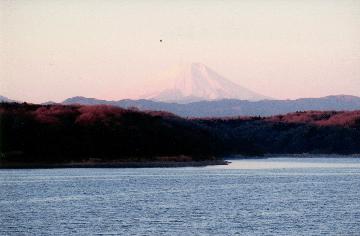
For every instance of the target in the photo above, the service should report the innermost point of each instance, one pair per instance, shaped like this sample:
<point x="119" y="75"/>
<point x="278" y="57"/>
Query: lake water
<point x="277" y="196"/>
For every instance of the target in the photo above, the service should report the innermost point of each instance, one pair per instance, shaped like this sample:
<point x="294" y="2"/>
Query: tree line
<point x="64" y="133"/>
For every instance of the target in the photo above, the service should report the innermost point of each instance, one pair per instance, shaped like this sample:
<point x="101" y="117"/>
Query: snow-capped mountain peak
<point x="197" y="82"/>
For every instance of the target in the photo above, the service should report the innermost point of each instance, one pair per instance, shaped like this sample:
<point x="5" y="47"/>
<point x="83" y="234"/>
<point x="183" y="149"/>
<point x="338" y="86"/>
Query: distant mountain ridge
<point x="226" y="107"/>
<point x="197" y="82"/>
<point x="5" y="99"/>
<point x="233" y="107"/>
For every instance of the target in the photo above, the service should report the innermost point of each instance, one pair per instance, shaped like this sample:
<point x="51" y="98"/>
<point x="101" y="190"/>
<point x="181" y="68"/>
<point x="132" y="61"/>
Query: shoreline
<point x="310" y="155"/>
<point x="147" y="164"/>
<point x="164" y="164"/>
<point x="302" y="155"/>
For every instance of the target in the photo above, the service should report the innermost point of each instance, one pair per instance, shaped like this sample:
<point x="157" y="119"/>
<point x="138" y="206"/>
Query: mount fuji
<point x="197" y="82"/>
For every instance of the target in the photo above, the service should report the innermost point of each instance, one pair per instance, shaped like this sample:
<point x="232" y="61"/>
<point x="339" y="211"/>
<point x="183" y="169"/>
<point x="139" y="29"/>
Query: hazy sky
<point x="51" y="50"/>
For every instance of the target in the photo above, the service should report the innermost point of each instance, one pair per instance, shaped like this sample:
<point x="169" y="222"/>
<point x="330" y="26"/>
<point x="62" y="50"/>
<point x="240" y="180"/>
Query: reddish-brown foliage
<point x="53" y="114"/>
<point x="102" y="113"/>
<point x="55" y="133"/>
<point x="348" y="119"/>
<point x="321" y="118"/>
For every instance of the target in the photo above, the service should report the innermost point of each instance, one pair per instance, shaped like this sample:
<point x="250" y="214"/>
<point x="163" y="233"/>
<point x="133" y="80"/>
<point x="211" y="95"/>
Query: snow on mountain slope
<point x="197" y="82"/>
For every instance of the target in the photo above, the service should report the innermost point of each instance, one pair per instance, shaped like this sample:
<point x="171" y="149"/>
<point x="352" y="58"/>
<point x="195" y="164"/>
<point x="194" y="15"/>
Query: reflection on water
<point x="278" y="196"/>
<point x="286" y="163"/>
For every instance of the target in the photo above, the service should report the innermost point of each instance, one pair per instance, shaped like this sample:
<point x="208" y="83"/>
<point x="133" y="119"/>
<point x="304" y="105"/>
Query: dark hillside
<point x="58" y="133"/>
<point x="295" y="133"/>
<point x="64" y="133"/>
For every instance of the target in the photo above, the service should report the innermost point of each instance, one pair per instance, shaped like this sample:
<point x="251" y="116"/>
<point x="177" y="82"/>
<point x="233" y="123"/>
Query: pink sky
<point x="51" y="50"/>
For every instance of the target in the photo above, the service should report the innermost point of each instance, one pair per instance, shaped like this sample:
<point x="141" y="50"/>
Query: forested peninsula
<point x="111" y="136"/>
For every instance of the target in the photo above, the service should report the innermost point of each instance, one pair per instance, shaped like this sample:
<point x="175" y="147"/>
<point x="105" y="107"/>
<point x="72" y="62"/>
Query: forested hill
<point x="326" y="132"/>
<point x="64" y="133"/>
